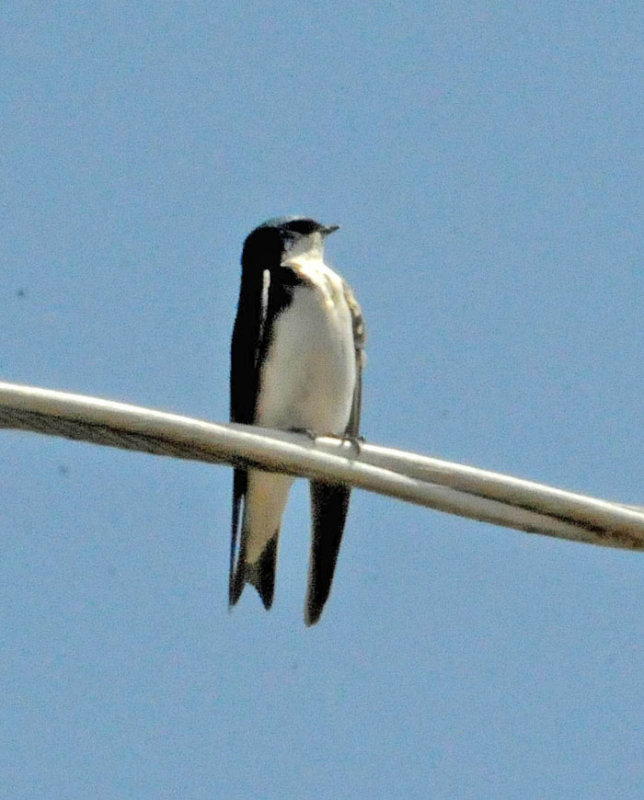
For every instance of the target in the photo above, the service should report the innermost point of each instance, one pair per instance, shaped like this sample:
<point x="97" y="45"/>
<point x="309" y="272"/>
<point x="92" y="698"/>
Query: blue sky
<point x="485" y="163"/>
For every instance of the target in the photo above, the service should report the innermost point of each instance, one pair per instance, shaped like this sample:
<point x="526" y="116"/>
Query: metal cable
<point x="445" y="486"/>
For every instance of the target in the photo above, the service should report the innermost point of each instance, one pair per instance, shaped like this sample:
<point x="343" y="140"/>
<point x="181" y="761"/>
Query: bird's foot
<point x="306" y="431"/>
<point x="354" y="441"/>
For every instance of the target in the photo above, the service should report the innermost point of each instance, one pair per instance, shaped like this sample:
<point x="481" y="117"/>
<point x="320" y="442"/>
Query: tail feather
<point x="261" y="574"/>
<point x="264" y="496"/>
<point x="330" y="503"/>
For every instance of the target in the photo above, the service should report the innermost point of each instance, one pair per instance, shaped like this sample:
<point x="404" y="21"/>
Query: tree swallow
<point x="296" y="364"/>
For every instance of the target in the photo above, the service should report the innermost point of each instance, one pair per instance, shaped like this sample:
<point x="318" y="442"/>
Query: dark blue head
<point x="297" y="226"/>
<point x="267" y="244"/>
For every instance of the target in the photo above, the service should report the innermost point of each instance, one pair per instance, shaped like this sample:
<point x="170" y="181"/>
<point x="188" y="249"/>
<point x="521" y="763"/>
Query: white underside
<point x="309" y="373"/>
<point x="307" y="381"/>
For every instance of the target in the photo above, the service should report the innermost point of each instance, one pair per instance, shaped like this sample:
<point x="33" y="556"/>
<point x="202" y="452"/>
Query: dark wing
<point x="259" y="305"/>
<point x="245" y="348"/>
<point x="257" y="309"/>
<point x="330" y="501"/>
<point x="359" y="339"/>
<point x="244" y="386"/>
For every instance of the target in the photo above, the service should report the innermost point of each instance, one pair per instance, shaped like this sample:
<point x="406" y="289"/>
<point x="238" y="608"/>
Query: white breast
<point x="308" y="376"/>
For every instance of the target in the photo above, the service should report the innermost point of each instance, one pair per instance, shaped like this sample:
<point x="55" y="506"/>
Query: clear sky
<point x="485" y="162"/>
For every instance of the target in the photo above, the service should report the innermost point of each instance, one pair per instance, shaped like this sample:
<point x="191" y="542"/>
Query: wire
<point x="442" y="485"/>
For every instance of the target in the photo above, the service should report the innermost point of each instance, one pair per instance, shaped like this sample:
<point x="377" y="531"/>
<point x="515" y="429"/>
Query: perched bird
<point x="296" y="364"/>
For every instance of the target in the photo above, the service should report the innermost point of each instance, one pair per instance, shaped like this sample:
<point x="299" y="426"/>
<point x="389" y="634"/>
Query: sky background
<point x="485" y="162"/>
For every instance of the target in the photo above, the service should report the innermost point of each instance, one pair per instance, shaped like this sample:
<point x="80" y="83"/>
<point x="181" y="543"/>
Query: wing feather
<point x="250" y="324"/>
<point x="330" y="501"/>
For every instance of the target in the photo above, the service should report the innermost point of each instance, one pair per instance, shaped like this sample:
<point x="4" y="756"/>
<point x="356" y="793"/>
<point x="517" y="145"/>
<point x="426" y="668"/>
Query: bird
<point x="297" y="356"/>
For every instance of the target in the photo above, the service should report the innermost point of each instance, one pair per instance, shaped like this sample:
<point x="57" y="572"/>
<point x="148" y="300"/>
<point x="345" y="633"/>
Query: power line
<point x="442" y="485"/>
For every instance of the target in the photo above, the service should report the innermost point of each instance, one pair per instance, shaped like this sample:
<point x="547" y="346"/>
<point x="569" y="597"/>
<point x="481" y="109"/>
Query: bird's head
<point x="282" y="237"/>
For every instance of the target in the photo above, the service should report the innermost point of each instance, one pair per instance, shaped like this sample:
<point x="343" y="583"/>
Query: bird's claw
<point x="355" y="441"/>
<point x="305" y="432"/>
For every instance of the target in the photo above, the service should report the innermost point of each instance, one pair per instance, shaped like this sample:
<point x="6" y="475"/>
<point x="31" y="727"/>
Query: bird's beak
<point x="329" y="229"/>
